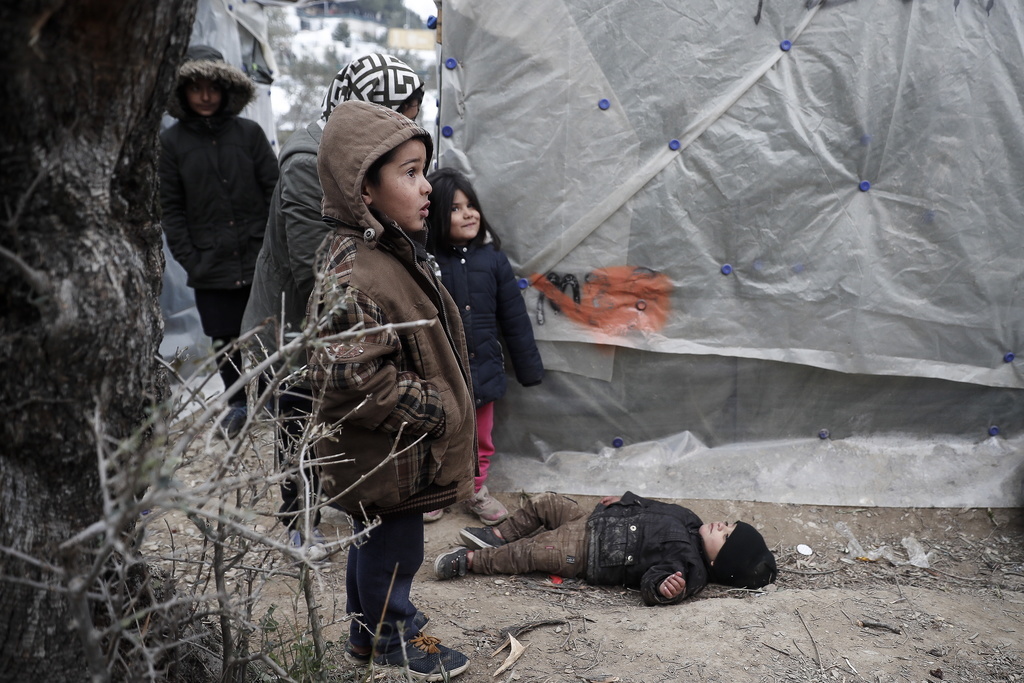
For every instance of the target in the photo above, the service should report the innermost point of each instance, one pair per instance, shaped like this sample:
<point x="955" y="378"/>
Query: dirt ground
<point x="832" y="616"/>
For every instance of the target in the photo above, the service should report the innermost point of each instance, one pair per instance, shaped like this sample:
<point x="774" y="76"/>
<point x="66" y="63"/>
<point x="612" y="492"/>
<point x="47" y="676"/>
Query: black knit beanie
<point x="744" y="561"/>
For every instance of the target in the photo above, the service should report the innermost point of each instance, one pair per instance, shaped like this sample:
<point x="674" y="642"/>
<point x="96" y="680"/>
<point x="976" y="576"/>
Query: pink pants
<point x="484" y="426"/>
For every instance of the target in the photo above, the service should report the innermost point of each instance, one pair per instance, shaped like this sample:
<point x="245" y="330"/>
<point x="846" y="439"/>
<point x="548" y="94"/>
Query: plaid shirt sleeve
<point x="347" y="372"/>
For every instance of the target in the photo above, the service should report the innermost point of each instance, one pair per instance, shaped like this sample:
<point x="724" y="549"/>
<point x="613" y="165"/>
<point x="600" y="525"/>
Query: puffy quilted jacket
<point x="480" y="279"/>
<point x="638" y="543"/>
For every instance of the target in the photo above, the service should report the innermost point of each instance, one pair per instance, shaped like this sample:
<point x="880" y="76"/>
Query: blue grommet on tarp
<point x="823" y="434"/>
<point x="431" y="21"/>
<point x="451" y="62"/>
<point x="617" y="442"/>
<point x="993" y="431"/>
<point x="447" y="131"/>
<point x="785" y="45"/>
<point x="603" y="103"/>
<point x="1008" y="358"/>
<point x="523" y="283"/>
<point x="726" y="269"/>
<point x="674" y="145"/>
<point x="864" y="186"/>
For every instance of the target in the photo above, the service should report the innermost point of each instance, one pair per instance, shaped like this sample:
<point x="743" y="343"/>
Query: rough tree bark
<point x="84" y="86"/>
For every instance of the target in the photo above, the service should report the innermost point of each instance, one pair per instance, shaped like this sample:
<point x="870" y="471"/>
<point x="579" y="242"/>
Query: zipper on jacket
<point x="440" y="300"/>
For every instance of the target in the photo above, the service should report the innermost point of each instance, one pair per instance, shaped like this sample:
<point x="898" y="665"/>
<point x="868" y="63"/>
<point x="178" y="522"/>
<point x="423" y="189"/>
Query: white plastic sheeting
<point x="797" y="242"/>
<point x="238" y="28"/>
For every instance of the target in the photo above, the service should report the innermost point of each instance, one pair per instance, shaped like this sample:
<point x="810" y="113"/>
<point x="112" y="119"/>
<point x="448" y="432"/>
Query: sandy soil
<point x="832" y="616"/>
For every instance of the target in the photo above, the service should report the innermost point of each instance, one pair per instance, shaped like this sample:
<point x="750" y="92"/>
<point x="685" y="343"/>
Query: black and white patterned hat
<point x="378" y="78"/>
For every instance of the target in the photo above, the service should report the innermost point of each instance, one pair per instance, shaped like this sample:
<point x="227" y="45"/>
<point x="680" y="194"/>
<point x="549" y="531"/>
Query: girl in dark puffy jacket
<point x="479" y="277"/>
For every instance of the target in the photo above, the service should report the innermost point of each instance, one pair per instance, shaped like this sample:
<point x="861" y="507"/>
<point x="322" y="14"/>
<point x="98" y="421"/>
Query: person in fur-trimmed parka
<point x="217" y="175"/>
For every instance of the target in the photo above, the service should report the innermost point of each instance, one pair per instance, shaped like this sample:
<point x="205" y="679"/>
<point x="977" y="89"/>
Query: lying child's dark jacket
<point x="638" y="543"/>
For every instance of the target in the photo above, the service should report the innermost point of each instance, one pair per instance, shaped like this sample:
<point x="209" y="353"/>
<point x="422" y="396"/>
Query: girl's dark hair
<point x="444" y="182"/>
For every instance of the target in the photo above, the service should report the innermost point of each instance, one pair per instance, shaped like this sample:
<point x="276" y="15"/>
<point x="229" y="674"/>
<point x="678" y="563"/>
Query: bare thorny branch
<point x="135" y="614"/>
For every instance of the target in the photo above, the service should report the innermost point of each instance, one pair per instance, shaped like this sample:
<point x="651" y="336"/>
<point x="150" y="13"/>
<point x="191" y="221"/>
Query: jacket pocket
<point x="618" y="543"/>
<point x="416" y="354"/>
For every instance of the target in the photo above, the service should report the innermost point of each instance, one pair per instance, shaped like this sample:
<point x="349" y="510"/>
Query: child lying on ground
<point x="662" y="549"/>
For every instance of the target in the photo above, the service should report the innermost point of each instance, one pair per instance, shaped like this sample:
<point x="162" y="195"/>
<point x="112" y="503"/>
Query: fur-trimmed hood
<point x="202" y="61"/>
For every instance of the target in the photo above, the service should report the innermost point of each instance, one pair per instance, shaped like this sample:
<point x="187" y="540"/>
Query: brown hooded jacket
<point x="404" y="389"/>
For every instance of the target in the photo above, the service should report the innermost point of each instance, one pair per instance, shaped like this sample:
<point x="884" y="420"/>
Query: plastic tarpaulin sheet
<point x="741" y="234"/>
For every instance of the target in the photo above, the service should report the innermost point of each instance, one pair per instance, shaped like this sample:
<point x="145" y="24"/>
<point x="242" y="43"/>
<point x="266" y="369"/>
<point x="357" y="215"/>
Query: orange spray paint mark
<point x="614" y="300"/>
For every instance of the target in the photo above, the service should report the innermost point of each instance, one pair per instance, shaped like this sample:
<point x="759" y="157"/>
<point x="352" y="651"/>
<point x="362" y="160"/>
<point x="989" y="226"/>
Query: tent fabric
<point x="833" y="194"/>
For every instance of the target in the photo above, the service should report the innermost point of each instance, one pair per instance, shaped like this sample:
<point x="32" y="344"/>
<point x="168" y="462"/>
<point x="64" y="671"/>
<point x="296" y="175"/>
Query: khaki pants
<point x="561" y="548"/>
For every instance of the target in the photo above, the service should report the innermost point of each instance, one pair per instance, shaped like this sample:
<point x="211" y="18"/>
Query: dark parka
<point x="390" y="386"/>
<point x="480" y="279"/>
<point x="638" y="543"/>
<point x="217" y="175"/>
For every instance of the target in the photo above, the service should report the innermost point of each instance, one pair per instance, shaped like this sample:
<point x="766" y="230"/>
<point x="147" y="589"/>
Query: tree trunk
<point x="84" y="85"/>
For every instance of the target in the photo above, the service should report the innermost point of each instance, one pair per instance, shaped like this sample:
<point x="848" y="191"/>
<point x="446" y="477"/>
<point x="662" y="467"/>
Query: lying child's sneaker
<point x="452" y="564"/>
<point x="424" y="658"/>
<point x="488" y="509"/>
<point x="433" y="515"/>
<point x="479" y="538"/>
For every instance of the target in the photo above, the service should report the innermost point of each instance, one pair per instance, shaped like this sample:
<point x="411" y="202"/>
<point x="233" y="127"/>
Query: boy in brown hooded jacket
<point x="399" y="392"/>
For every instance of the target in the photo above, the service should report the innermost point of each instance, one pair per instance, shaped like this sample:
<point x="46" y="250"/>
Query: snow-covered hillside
<point x="317" y="38"/>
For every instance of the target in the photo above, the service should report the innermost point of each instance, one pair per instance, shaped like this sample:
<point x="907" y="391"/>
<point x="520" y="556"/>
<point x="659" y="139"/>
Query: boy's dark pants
<point x="560" y="549"/>
<point x="378" y="580"/>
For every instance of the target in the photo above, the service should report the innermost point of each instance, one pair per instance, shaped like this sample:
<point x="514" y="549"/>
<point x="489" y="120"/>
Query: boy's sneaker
<point x="433" y="515"/>
<point x="489" y="510"/>
<point x="452" y="564"/>
<point x="419" y="620"/>
<point x="424" y="658"/>
<point x="479" y="538"/>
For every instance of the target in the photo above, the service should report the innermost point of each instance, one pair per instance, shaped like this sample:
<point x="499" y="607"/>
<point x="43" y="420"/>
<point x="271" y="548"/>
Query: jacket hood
<point x="378" y="78"/>
<point x="357" y="134"/>
<point x="202" y="61"/>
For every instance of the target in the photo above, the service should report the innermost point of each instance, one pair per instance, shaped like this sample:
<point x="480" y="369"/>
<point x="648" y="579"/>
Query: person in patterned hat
<point x="286" y="267"/>
<point x="378" y="78"/>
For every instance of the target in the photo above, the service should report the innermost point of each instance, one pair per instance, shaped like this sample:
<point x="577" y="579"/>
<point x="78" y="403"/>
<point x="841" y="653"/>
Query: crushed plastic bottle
<point x="854" y="547"/>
